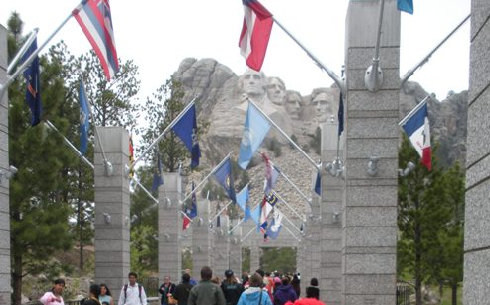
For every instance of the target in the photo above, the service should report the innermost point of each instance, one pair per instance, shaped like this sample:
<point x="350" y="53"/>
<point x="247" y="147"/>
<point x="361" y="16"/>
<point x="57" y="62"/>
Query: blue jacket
<point x="284" y="293"/>
<point x="251" y="297"/>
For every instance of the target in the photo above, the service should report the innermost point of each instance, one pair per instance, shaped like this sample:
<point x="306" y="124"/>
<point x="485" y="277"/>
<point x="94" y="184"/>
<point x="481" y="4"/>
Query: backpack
<point x="126" y="292"/>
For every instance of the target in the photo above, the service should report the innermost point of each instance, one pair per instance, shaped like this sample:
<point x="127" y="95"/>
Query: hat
<point x="277" y="280"/>
<point x="229" y="273"/>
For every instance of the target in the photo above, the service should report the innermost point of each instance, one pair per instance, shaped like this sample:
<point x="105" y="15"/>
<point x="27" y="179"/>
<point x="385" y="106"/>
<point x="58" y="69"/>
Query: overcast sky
<point x="158" y="35"/>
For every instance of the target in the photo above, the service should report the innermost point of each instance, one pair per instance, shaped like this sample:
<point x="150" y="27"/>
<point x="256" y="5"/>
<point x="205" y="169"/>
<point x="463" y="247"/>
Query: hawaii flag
<point x="94" y="16"/>
<point x="416" y="126"/>
<point x="257" y="27"/>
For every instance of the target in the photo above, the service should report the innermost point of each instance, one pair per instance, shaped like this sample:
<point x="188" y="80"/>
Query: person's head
<point x="206" y="273"/>
<point x="285" y="280"/>
<point x="94" y="290"/>
<point x="104" y="290"/>
<point x="105" y="303"/>
<point x="132" y="277"/>
<point x="293" y="104"/>
<point x="59" y="285"/>
<point x="276" y="90"/>
<point x="166" y="279"/>
<point x="229" y="273"/>
<point x="260" y="271"/>
<point x="216" y="280"/>
<point x="253" y="83"/>
<point x="186" y="278"/>
<point x="314" y="281"/>
<point x="255" y="280"/>
<point x="323" y="105"/>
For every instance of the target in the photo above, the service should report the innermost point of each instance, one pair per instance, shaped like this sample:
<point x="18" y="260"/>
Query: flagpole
<point x="237" y="225"/>
<point x="206" y="178"/>
<point x="284" y="134"/>
<point x="290" y="222"/>
<point x="287" y="204"/>
<point x="291" y="232"/>
<point x="29" y="60"/>
<point x="372" y="80"/>
<point x="248" y="233"/>
<point x="169" y="126"/>
<point x="415" y="109"/>
<point x="221" y="211"/>
<point x="22" y="50"/>
<point x="330" y="73"/>
<point x="145" y="190"/>
<point x="426" y="58"/>
<point x="294" y="185"/>
<point x="67" y="142"/>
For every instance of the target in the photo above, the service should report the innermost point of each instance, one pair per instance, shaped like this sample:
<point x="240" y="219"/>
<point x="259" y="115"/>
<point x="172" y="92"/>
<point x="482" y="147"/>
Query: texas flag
<point x="416" y="125"/>
<point x="257" y="27"/>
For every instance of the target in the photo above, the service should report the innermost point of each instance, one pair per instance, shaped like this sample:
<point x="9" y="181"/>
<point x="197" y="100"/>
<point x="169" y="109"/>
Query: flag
<point x="340" y="114"/>
<point x="257" y="27"/>
<point x="255" y="214"/>
<point x="405" y="5"/>
<point x="186" y="129"/>
<point x="318" y="184"/>
<point x="256" y="128"/>
<point x="275" y="226"/>
<point x="190" y="212"/>
<point x="271" y="174"/>
<point x="94" y="16"/>
<point x="33" y="91"/>
<point x="157" y="175"/>
<point x="268" y="203"/>
<point x="225" y="178"/>
<point x="131" y="156"/>
<point x="416" y="126"/>
<point x="84" y="115"/>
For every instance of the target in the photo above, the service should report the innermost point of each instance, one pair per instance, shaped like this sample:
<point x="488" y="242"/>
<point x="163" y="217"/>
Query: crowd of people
<point x="261" y="288"/>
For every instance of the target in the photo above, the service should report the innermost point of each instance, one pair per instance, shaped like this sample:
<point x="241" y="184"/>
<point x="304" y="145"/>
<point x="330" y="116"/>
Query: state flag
<point x="224" y="176"/>
<point x="186" y="129"/>
<point x="33" y="90"/>
<point x="256" y="128"/>
<point x="84" y="115"/>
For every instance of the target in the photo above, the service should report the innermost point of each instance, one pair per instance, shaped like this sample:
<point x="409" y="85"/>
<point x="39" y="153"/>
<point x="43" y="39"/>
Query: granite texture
<point x="478" y="137"/>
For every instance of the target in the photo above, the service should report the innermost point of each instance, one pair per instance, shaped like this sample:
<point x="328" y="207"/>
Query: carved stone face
<point x="254" y="83"/>
<point x="293" y="105"/>
<point x="276" y="90"/>
<point x="323" y="107"/>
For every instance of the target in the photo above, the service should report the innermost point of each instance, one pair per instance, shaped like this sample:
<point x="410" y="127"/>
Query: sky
<point x="158" y="35"/>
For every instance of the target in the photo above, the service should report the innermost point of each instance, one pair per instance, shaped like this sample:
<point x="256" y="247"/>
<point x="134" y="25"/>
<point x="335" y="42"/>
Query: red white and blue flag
<point x="416" y="125"/>
<point x="94" y="16"/>
<point x="257" y="27"/>
<point x="268" y="203"/>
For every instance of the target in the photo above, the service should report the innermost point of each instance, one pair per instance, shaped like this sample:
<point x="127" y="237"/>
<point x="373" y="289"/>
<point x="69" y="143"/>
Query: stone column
<point x="4" y="184"/>
<point x="254" y="258"/>
<point x="331" y="209"/>
<point x="236" y="249"/>
<point x="112" y="209"/>
<point x="309" y="249"/>
<point x="370" y="215"/>
<point x="201" y="239"/>
<point x="477" y="213"/>
<point x="221" y="251"/>
<point x="169" y="227"/>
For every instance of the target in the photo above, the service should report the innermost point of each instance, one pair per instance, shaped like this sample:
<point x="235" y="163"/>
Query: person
<point x="132" y="293"/>
<point x="165" y="289"/>
<point x="276" y="90"/>
<point x="181" y="292"/>
<point x="306" y="301"/>
<point x="245" y="279"/>
<point x="231" y="288"/>
<point x="313" y="291"/>
<point x="284" y="292"/>
<point x="54" y="297"/>
<point x="216" y="280"/>
<point x="295" y="282"/>
<point x="206" y="292"/>
<point x="105" y="295"/>
<point x="94" y="293"/>
<point x="192" y="281"/>
<point x="255" y="295"/>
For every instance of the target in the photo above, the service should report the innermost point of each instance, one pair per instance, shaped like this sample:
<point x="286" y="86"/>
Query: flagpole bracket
<point x="373" y="81"/>
<point x="335" y="168"/>
<point x="109" y="169"/>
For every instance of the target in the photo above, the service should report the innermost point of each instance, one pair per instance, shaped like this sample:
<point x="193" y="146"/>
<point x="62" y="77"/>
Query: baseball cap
<point x="229" y="273"/>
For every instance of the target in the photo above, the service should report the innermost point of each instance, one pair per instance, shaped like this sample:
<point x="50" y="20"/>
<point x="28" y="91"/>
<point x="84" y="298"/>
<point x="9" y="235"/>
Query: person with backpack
<point x="132" y="293"/>
<point x="206" y="292"/>
<point x="231" y="288"/>
<point x="255" y="294"/>
<point x="165" y="289"/>
<point x="181" y="292"/>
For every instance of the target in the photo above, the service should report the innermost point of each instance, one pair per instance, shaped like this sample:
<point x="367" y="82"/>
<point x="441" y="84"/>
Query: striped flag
<point x="94" y="16"/>
<point x="257" y="27"/>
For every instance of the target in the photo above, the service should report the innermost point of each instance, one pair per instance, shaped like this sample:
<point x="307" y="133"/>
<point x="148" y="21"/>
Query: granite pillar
<point x="331" y="228"/>
<point x="201" y="239"/>
<point x="369" y="221"/>
<point x="477" y="206"/>
<point x="112" y="209"/>
<point x="254" y="258"/>
<point x="4" y="183"/>
<point x="169" y="227"/>
<point x="235" y="245"/>
<point x="221" y="248"/>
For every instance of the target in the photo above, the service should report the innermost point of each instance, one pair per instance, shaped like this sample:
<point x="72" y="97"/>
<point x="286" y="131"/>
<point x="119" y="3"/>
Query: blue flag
<point x="186" y="129"/>
<point x="84" y="115"/>
<point x="192" y="211"/>
<point x="242" y="199"/>
<point x="275" y="226"/>
<point x="318" y="184"/>
<point x="255" y="214"/>
<point x="405" y="5"/>
<point x="340" y="114"/>
<point x="225" y="178"/>
<point x="256" y="128"/>
<point x="33" y="92"/>
<point x="157" y="175"/>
